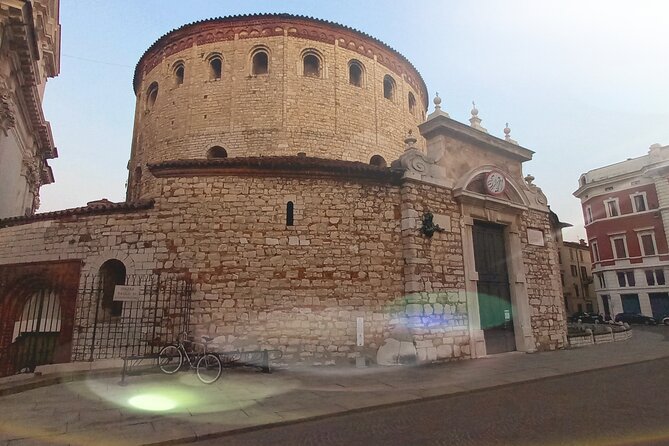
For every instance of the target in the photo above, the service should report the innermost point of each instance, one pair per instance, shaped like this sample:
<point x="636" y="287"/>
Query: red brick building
<point x="626" y="216"/>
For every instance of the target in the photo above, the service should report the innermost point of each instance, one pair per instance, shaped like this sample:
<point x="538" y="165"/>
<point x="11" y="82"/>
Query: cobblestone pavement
<point x="154" y="408"/>
<point x="617" y="406"/>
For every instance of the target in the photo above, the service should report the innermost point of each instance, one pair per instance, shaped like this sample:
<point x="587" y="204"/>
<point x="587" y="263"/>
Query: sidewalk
<point x="178" y="408"/>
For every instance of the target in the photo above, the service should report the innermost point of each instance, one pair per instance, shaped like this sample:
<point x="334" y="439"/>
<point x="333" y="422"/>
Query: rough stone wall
<point x="260" y="282"/>
<point x="436" y="307"/>
<point x="281" y="113"/>
<point x="542" y="272"/>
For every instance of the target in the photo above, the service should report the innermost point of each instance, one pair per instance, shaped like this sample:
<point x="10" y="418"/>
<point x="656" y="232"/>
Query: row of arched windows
<point x="312" y="66"/>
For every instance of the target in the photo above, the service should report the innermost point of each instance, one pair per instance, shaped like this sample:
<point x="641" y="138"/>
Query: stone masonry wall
<point x="542" y="272"/>
<point x="434" y="273"/>
<point x="280" y="113"/>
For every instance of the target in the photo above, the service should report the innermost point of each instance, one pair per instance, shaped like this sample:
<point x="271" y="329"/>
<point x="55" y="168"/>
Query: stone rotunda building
<point x="287" y="191"/>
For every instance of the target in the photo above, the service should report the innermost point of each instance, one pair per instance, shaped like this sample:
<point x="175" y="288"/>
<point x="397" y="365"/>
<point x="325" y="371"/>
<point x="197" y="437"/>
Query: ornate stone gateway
<point x="493" y="288"/>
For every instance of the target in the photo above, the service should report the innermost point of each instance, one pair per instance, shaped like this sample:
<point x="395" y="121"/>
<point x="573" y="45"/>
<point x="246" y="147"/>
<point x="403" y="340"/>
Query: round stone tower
<point x="271" y="85"/>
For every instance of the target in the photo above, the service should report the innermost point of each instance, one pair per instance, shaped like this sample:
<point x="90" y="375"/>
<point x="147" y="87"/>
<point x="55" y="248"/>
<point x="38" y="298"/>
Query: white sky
<point x="582" y="83"/>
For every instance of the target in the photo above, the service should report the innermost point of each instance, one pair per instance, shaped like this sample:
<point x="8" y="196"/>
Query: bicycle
<point x="207" y="365"/>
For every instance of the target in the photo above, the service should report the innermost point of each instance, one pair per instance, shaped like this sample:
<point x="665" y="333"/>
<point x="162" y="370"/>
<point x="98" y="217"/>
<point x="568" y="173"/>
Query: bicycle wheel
<point x="170" y="359"/>
<point x="209" y="368"/>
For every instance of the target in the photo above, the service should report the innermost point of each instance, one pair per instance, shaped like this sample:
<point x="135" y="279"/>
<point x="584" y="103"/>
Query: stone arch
<point x="215" y="64"/>
<point x="179" y="71"/>
<point x="514" y="193"/>
<point x="312" y="63"/>
<point x="217" y="152"/>
<point x="259" y="60"/>
<point x="356" y="73"/>
<point x="94" y="263"/>
<point x="151" y="95"/>
<point x="378" y="160"/>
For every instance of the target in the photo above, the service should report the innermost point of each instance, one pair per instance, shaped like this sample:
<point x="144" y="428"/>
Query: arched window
<point x="290" y="218"/>
<point x="179" y="71"/>
<point x="378" y="160"/>
<point x="355" y="73"/>
<point x="112" y="273"/>
<point x="151" y="95"/>
<point x="388" y="87"/>
<point x="259" y="62"/>
<point x="215" y="67"/>
<point x="312" y="65"/>
<point x="412" y="104"/>
<point x="217" y="152"/>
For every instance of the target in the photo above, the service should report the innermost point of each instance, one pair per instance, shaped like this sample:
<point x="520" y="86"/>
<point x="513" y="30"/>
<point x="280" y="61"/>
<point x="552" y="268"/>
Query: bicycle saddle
<point x="207" y="339"/>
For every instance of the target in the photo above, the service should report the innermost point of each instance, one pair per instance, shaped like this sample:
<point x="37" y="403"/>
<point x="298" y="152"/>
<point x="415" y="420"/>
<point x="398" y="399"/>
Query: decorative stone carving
<point x="7" y="118"/>
<point x="413" y="160"/>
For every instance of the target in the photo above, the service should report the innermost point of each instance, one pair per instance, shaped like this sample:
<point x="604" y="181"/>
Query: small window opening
<point x="378" y="160"/>
<point x="217" y="152"/>
<point x="260" y="63"/>
<point x="179" y="74"/>
<point x="355" y="74"/>
<point x="112" y="273"/>
<point x="151" y="95"/>
<point x="412" y="104"/>
<point x="388" y="88"/>
<point x="215" y="68"/>
<point x="290" y="213"/>
<point x="312" y="66"/>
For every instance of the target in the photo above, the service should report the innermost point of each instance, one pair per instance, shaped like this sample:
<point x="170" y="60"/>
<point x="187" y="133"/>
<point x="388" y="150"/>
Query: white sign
<point x="360" y="332"/>
<point x="535" y="237"/>
<point x="123" y="293"/>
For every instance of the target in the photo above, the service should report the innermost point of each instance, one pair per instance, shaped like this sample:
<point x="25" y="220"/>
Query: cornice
<point x="291" y="166"/>
<point x="445" y="125"/>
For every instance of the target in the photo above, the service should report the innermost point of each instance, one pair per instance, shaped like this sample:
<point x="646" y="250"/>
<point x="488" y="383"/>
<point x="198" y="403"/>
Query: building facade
<point x="626" y="212"/>
<point x="29" y="54"/>
<point x="577" y="280"/>
<point x="282" y="168"/>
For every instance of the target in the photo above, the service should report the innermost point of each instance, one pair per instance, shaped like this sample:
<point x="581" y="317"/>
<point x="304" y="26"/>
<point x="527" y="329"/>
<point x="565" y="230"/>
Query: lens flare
<point x="152" y="402"/>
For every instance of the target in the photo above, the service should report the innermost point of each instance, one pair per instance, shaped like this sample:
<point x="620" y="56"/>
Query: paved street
<point x="155" y="409"/>
<point x="619" y="406"/>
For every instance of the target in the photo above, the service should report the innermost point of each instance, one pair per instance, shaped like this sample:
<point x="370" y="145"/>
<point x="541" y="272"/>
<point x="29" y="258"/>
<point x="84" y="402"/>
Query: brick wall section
<point x="542" y="272"/>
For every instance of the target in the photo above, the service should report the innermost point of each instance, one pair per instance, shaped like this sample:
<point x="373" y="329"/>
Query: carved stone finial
<point x="437" y="108"/>
<point x="475" y="121"/>
<point x="528" y="179"/>
<point x="410" y="141"/>
<point x="437" y="102"/>
<point x="507" y="135"/>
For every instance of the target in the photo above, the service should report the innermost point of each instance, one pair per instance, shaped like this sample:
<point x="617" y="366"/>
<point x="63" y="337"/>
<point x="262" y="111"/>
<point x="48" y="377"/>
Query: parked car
<point x="635" y="318"/>
<point x="586" y="318"/>
<point x="665" y="320"/>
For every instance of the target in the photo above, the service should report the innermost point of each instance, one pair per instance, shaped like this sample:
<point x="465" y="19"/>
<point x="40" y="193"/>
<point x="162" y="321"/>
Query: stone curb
<point x="231" y="432"/>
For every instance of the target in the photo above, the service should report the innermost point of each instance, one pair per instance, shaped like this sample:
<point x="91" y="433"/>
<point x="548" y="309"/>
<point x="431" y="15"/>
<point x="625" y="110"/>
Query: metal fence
<point x="105" y="328"/>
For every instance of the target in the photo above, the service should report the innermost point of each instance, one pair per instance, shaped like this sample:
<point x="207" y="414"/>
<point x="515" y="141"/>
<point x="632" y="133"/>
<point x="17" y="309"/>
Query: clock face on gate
<point x="495" y="183"/>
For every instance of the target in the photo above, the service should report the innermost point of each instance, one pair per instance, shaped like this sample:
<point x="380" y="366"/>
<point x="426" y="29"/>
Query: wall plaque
<point x="535" y="237"/>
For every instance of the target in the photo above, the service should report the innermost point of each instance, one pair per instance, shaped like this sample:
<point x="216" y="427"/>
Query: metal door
<point x="494" y="296"/>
